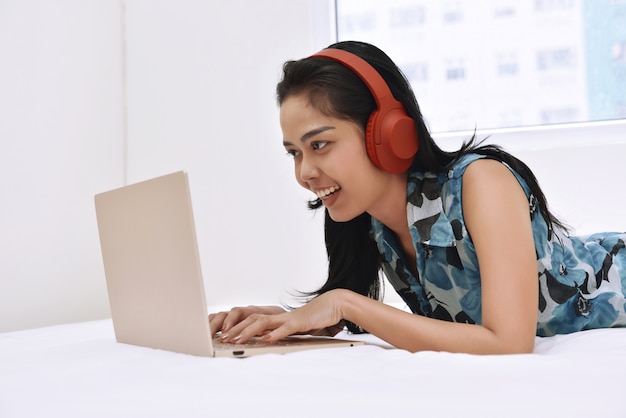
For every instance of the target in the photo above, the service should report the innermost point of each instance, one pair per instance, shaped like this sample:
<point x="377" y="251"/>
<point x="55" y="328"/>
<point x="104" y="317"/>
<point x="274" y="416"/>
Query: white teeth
<point x="323" y="194"/>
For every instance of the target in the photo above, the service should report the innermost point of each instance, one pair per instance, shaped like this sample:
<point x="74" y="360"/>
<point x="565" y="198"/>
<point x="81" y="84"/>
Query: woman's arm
<point x="497" y="217"/>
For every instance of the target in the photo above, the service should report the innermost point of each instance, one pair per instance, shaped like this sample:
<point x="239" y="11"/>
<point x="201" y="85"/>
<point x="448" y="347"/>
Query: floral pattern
<point x="581" y="280"/>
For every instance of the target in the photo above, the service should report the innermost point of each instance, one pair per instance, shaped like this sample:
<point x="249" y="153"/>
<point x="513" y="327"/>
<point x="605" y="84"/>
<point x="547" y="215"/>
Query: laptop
<point x="153" y="276"/>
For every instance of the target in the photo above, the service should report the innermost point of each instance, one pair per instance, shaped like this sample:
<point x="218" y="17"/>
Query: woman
<point x="466" y="238"/>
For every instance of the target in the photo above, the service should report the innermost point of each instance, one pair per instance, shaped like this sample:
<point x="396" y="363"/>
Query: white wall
<point x="199" y="96"/>
<point x="60" y="142"/>
<point x="201" y="78"/>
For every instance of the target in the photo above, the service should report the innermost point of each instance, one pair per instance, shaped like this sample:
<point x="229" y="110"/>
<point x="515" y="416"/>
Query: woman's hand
<point x="321" y="316"/>
<point x="224" y="321"/>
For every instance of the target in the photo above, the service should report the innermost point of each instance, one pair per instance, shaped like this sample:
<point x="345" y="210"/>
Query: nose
<point x="308" y="170"/>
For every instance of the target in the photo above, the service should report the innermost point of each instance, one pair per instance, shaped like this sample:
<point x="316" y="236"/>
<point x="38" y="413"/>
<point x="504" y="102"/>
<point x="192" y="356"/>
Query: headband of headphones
<point x="372" y="79"/>
<point x="390" y="137"/>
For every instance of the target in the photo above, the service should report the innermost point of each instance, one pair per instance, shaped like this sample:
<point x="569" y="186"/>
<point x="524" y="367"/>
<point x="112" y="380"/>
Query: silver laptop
<point x="154" y="281"/>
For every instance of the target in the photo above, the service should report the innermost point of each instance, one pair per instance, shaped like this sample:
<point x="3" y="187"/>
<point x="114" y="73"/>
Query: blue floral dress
<point x="581" y="280"/>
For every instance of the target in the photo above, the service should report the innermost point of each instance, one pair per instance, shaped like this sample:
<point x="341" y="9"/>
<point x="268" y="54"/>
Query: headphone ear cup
<point x="391" y="140"/>
<point x="370" y="140"/>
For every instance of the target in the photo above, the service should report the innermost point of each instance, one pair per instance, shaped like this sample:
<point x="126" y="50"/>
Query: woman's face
<point x="330" y="160"/>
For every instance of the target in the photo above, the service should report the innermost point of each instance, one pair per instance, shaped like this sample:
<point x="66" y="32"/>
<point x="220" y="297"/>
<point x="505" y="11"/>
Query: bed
<point x="78" y="370"/>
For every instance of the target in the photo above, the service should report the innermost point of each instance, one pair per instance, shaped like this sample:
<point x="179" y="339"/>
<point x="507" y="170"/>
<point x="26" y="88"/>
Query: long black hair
<point x="334" y="90"/>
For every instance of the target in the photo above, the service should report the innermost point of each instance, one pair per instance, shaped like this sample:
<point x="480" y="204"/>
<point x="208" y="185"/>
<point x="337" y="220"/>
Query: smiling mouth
<point x="326" y="193"/>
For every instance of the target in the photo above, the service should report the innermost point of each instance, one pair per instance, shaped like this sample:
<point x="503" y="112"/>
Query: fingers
<point x="216" y="321"/>
<point x="270" y="328"/>
<point x="253" y="325"/>
<point x="240" y="324"/>
<point x="224" y="321"/>
<point x="282" y="331"/>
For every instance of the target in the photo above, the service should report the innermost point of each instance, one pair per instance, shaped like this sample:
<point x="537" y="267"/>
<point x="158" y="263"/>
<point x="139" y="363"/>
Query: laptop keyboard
<point x="257" y="342"/>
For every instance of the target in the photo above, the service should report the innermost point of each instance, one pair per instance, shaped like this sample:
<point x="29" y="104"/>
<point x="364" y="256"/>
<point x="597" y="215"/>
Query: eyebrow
<point x="311" y="134"/>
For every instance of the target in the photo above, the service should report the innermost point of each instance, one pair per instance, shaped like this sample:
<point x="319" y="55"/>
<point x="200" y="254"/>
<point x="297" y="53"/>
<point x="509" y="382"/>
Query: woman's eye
<point x="292" y="153"/>
<point x="318" y="145"/>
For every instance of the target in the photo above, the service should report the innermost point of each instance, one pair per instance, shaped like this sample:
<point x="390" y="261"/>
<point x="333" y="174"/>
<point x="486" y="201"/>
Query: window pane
<point x="501" y="63"/>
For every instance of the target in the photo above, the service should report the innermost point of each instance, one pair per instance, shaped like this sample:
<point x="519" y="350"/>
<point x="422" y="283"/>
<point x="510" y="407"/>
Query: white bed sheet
<point x="78" y="370"/>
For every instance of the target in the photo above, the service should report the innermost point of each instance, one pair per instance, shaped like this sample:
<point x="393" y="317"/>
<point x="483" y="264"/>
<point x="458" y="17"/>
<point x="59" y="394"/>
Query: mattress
<point x="78" y="370"/>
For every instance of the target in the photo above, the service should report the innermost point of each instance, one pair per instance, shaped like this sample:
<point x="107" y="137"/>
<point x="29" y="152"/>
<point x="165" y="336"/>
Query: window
<point x="501" y="63"/>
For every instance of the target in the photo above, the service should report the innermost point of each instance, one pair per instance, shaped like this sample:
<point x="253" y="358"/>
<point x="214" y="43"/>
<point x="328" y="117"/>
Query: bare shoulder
<point x="487" y="169"/>
<point x="492" y="194"/>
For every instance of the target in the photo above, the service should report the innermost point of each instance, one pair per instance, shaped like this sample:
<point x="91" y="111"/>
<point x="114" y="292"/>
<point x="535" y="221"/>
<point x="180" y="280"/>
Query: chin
<point x="342" y="216"/>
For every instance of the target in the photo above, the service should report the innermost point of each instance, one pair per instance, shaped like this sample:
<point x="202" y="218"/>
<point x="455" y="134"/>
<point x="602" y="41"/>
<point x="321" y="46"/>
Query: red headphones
<point x="390" y="135"/>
